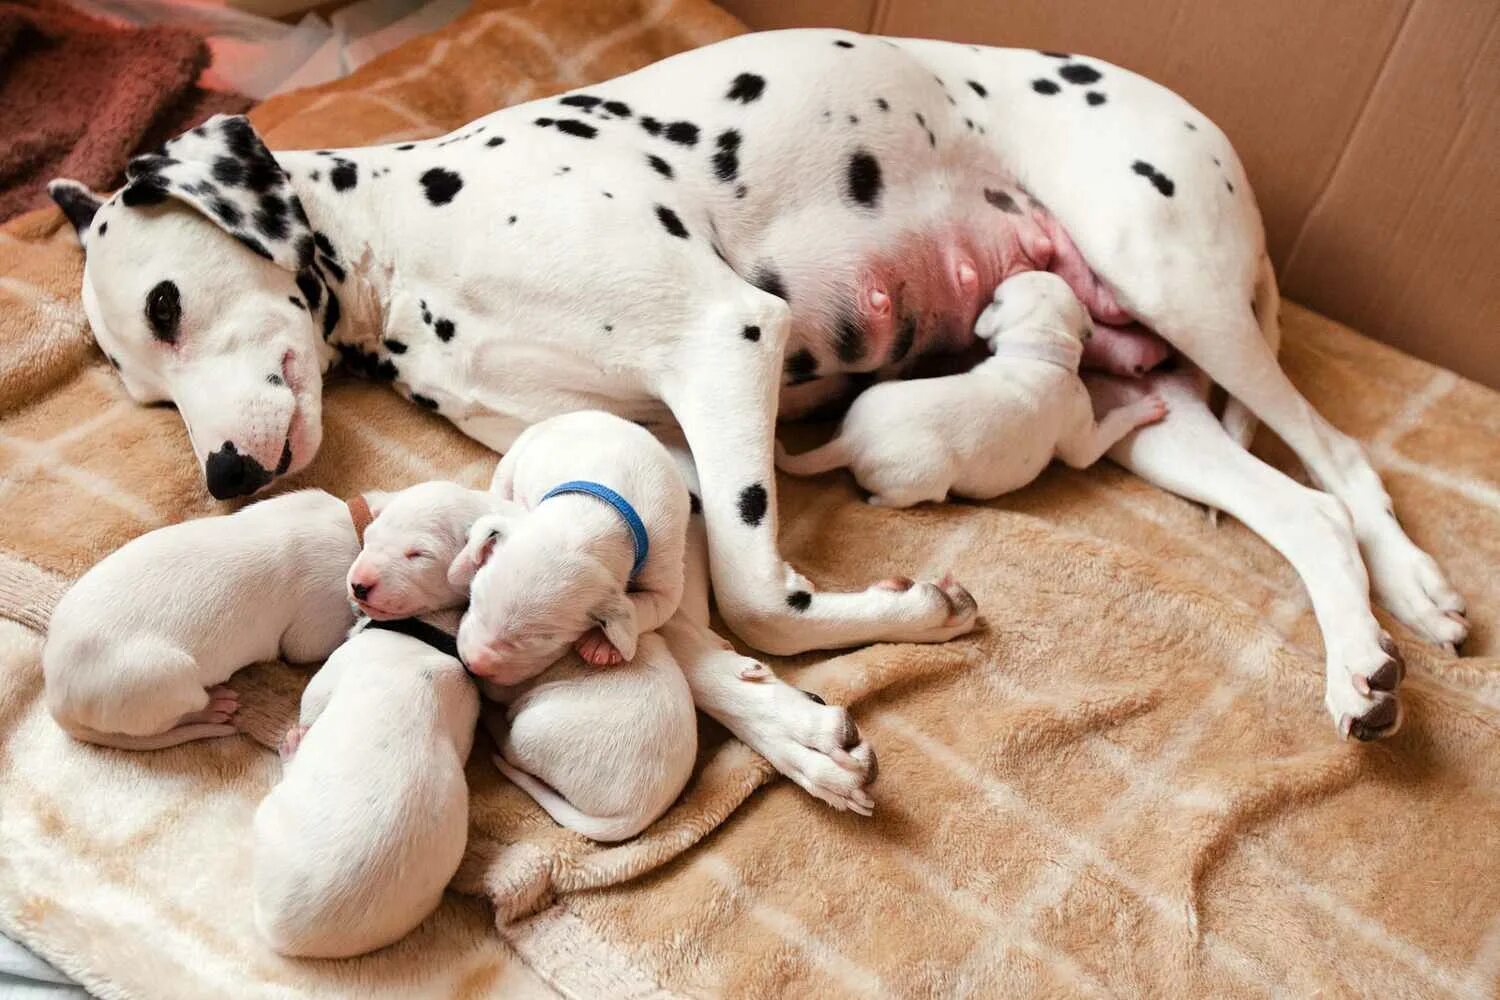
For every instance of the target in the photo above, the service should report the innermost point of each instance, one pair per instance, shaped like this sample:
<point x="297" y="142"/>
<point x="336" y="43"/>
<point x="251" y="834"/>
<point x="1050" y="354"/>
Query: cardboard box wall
<point x="1370" y="130"/>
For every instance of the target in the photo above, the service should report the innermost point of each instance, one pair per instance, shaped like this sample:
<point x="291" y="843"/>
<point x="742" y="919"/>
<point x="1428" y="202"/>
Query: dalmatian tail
<point x="606" y="829"/>
<point x="1239" y="422"/>
<point x="833" y="455"/>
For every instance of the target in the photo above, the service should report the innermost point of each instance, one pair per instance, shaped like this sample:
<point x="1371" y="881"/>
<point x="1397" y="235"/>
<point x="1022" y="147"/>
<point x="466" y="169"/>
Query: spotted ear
<point x="77" y="202"/>
<point x="224" y="170"/>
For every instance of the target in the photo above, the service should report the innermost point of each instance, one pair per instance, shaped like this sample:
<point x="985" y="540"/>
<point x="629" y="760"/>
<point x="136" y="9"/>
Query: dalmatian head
<point x="1034" y="299"/>
<point x="200" y="286"/>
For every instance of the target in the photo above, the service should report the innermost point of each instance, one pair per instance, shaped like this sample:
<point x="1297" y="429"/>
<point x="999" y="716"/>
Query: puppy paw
<point x="1148" y="410"/>
<point x="597" y="651"/>
<point x="1361" y="695"/>
<point x="820" y="748"/>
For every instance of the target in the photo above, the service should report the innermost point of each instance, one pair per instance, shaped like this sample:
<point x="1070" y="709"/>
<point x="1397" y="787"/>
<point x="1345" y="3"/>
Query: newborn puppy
<point x="992" y="429"/>
<point x="410" y="533"/>
<point x="596" y="559"/>
<point x="355" y="845"/>
<point x="137" y="648"/>
<point x="604" y="752"/>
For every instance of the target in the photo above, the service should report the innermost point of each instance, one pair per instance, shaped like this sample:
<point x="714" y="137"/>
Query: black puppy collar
<point x="422" y="632"/>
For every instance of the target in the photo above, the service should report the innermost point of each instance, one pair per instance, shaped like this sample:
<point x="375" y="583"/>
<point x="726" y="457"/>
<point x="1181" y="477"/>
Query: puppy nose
<point x="361" y="590"/>
<point x="230" y="474"/>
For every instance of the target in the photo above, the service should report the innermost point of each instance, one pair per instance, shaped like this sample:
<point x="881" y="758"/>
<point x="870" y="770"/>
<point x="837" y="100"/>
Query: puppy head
<point x="414" y="536"/>
<point x="198" y="283"/>
<point x="531" y="595"/>
<point x="1035" y="299"/>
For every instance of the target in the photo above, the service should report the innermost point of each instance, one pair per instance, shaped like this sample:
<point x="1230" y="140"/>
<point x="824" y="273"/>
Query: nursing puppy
<point x="992" y="429"/>
<point x="354" y="847"/>
<point x="138" y="647"/>
<point x="595" y="559"/>
<point x="603" y="751"/>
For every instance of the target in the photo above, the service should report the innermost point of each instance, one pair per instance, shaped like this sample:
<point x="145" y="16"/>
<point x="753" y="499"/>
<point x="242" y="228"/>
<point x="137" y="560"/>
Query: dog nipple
<point x="879" y="302"/>
<point x="968" y="278"/>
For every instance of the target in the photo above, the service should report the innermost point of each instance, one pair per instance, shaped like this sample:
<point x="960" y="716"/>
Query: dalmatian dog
<point x="742" y="232"/>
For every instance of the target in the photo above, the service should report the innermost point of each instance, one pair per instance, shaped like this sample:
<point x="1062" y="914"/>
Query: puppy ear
<point x="77" y="202"/>
<point x="616" y="617"/>
<point x="486" y="533"/>
<point x="376" y="501"/>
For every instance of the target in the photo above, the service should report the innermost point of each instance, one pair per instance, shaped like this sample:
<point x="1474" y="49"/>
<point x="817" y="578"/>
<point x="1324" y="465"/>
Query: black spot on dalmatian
<point x="255" y="245"/>
<point x="741" y="191"/>
<point x="651" y="125"/>
<point x="906" y="336"/>
<point x="854" y="119"/>
<point x="426" y="313"/>
<point x="229" y="172"/>
<point x="581" y="101"/>
<point x="441" y="185"/>
<point x="495" y="140"/>
<point x="582" y="130"/>
<point x="1054" y="55"/>
<point x="271" y="218"/>
<point x="882" y="104"/>
<point x="324" y="244"/>
<point x="394" y="346"/>
<point x="608" y="195"/>
<point x="617" y="108"/>
<point x="406" y="146"/>
<point x="746" y="87"/>
<point x="969" y="124"/>
<point x="311" y="288"/>
<point x="295" y="301"/>
<point x="275" y="379"/>
<point x="843" y="44"/>
<point x="862" y="179"/>
<point x="1094" y="98"/>
<point x="978" y="88"/>
<point x="148" y="190"/>
<point x="931" y="138"/>
<point x="753" y="501"/>
<point x="695" y="505"/>
<point x="1158" y="180"/>
<point x="1190" y="126"/>
<point x="226" y="211"/>
<point x="609" y="328"/>
<point x="849" y="340"/>
<point x="344" y="176"/>
<point x="1080" y="74"/>
<point x="660" y="166"/>
<point x="1002" y="201"/>
<point x="1229" y="186"/>
<point x="1045" y="87"/>
<point x="683" y="133"/>
<point x="444" y="330"/>
<point x="511" y="221"/>
<point x="751" y="333"/>
<point x="426" y="402"/>
<point x="1216" y="161"/>
<point x="801" y="367"/>
<point x="103" y="228"/>
<point x="670" y="222"/>
<point x="727" y="159"/>
<point x="799" y="600"/>
<point x="768" y="279"/>
<point x="331" y="314"/>
<point x="367" y="364"/>
<point x="333" y="268"/>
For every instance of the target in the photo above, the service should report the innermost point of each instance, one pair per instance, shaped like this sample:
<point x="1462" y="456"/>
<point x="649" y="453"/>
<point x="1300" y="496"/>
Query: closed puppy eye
<point x="415" y="554"/>
<point x="164" y="311"/>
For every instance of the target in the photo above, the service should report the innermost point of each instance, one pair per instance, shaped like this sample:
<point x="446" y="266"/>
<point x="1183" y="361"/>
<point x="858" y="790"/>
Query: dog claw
<point x="755" y="672"/>
<point x="1378" y="723"/>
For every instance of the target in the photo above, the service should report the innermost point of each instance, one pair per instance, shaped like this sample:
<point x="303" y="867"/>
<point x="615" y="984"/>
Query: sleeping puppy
<point x="604" y="752"/>
<point x="138" y="648"/>
<point x="413" y="534"/>
<point x="992" y="429"/>
<point x="355" y="845"/>
<point x="595" y="560"/>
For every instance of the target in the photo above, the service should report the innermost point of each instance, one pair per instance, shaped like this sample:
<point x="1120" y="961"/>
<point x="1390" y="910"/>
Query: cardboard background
<point x="1371" y="132"/>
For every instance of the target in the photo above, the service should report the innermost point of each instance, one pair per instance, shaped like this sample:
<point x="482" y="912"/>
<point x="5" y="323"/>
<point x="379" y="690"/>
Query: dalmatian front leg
<point x="722" y="387"/>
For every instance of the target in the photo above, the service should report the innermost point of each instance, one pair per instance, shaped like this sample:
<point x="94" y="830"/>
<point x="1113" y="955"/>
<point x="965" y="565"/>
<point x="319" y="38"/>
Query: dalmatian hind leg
<point x="722" y="387"/>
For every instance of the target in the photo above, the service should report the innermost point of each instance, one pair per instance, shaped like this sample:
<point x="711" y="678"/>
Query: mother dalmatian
<point x="737" y="233"/>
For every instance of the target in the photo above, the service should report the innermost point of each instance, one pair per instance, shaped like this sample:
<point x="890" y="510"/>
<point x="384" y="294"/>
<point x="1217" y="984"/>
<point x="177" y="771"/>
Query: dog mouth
<point x="376" y="612"/>
<point x="293" y="382"/>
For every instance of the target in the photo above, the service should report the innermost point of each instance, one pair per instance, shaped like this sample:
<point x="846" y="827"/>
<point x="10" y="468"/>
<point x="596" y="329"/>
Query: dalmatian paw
<point x="1409" y="584"/>
<point x="818" y="746"/>
<point x="597" y="651"/>
<point x="1361" y="694"/>
<point x="290" y="742"/>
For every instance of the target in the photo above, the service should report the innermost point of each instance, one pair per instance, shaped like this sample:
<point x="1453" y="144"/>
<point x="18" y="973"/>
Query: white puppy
<point x="412" y="537"/>
<point x="605" y="752"/>
<point x="992" y="429"/>
<point x="596" y="559"/>
<point x="355" y="845"/>
<point x="137" y="648"/>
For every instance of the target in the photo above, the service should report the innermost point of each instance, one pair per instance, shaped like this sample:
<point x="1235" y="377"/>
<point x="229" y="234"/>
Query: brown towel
<point x="78" y="97"/>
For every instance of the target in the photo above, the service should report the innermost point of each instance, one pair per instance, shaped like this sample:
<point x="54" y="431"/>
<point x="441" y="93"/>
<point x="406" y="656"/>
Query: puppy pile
<point x="541" y="596"/>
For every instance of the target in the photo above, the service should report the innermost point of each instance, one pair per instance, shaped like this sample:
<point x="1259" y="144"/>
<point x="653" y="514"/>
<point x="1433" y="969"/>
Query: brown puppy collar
<point x="359" y="513"/>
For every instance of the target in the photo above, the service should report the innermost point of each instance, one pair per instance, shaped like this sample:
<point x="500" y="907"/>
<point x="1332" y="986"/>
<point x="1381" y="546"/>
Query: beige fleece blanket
<point x="1124" y="785"/>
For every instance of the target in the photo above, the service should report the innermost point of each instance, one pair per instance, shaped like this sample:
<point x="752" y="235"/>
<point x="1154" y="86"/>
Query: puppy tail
<point x="833" y="455"/>
<point x="602" y="828"/>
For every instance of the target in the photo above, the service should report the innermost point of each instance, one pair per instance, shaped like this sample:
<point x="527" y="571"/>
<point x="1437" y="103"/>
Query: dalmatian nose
<point x="361" y="590"/>
<point x="230" y="474"/>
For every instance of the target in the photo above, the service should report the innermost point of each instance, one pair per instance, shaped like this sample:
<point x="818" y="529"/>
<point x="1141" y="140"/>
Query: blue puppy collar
<point x="632" y="519"/>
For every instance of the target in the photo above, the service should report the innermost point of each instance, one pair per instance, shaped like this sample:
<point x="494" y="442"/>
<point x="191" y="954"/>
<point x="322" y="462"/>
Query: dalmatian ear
<point x="224" y="170"/>
<point x="77" y="202"/>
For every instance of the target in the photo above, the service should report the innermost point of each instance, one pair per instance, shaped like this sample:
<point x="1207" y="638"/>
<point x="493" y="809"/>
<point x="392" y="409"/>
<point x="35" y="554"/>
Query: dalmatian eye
<point x="415" y="554"/>
<point x="164" y="311"/>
